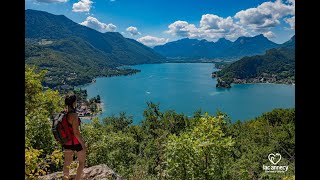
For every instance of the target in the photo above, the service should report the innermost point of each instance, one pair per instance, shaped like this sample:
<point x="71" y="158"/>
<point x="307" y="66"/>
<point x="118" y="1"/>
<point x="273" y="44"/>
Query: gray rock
<point x="98" y="172"/>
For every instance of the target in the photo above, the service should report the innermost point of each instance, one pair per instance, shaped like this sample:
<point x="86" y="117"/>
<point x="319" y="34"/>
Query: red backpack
<point x="60" y="128"/>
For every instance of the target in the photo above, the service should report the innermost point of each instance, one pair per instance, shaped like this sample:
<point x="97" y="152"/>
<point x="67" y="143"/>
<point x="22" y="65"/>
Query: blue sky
<point x="155" y="22"/>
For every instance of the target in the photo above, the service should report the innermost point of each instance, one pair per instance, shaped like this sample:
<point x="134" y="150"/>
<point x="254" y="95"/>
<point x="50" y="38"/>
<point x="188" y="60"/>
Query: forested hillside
<point x="276" y="66"/>
<point x="74" y="54"/>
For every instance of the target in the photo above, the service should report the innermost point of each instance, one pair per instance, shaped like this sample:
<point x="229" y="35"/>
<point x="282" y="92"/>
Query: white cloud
<point x="133" y="31"/>
<point x="94" y="23"/>
<point x="215" y="27"/>
<point x="211" y="21"/>
<point x="266" y="15"/>
<point x="52" y="1"/>
<point x="212" y="27"/>
<point x="291" y="21"/>
<point x="152" y="41"/>
<point x="269" y="35"/>
<point x="248" y="22"/>
<point x="82" y="6"/>
<point x="182" y="28"/>
<point x="236" y="32"/>
<point x="111" y="27"/>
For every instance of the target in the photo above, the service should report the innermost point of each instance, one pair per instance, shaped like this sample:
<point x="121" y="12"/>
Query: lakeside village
<point x="264" y="78"/>
<point x="87" y="108"/>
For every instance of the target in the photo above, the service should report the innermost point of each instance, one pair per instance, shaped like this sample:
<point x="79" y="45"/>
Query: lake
<point x="185" y="88"/>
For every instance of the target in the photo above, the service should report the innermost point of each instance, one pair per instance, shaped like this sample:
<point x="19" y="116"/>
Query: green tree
<point x="119" y="123"/>
<point x="273" y="132"/>
<point x="152" y="119"/>
<point x="116" y="149"/>
<point x="98" y="98"/>
<point x="200" y="153"/>
<point x="40" y="144"/>
<point x="39" y="106"/>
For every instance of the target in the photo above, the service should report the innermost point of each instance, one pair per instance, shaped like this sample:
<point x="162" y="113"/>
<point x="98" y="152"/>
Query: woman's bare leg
<point x="67" y="161"/>
<point x="81" y="158"/>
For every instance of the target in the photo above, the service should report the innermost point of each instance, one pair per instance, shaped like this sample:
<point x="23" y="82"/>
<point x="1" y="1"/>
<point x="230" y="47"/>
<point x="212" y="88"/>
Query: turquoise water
<point x="186" y="87"/>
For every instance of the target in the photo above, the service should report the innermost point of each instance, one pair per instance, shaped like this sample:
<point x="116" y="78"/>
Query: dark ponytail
<point x="69" y="100"/>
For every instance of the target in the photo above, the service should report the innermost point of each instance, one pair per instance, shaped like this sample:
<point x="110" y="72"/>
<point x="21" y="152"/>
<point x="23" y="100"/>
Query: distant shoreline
<point x="255" y="81"/>
<point x="266" y="83"/>
<point x="260" y="80"/>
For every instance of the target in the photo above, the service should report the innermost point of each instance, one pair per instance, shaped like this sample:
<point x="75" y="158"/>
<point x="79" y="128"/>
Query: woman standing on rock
<point x="76" y="144"/>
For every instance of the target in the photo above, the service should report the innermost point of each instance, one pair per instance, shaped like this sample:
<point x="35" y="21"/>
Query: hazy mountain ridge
<point x="196" y="49"/>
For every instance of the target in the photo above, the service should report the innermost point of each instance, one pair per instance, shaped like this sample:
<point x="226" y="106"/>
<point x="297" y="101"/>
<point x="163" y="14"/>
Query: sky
<point x="156" y="22"/>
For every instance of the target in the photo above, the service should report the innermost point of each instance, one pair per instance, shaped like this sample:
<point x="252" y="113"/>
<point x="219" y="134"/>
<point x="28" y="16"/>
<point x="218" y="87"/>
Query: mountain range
<point x="221" y="49"/>
<point x="74" y="54"/>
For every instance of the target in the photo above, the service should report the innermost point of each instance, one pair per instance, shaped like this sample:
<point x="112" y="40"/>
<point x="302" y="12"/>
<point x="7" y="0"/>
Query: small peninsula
<point x="276" y="66"/>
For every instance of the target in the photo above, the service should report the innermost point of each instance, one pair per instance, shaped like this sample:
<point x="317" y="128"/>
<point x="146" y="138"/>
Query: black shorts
<point x="75" y="147"/>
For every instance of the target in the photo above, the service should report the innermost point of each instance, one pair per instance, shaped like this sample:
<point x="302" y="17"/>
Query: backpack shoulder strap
<point x="79" y="120"/>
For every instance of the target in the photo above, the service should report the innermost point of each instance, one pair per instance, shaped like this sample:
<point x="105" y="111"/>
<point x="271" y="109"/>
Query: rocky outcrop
<point x="99" y="172"/>
<point x="223" y="84"/>
<point x="214" y="74"/>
